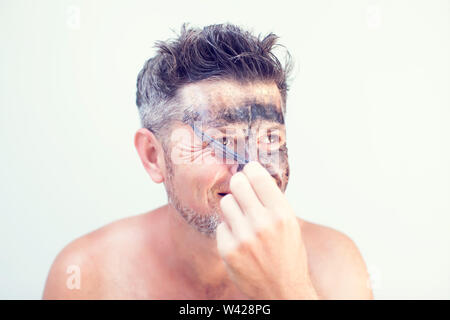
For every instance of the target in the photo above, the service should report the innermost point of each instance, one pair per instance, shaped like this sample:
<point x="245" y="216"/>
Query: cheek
<point x="278" y="165"/>
<point x="192" y="182"/>
<point x="189" y="150"/>
<point x="284" y="168"/>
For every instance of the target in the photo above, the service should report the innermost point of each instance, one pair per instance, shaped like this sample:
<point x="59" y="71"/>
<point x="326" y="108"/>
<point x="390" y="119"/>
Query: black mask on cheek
<point x="284" y="168"/>
<point x="277" y="164"/>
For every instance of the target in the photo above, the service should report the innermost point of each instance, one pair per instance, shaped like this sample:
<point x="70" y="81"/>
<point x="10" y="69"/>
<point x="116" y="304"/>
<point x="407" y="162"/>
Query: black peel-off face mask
<point x="238" y="135"/>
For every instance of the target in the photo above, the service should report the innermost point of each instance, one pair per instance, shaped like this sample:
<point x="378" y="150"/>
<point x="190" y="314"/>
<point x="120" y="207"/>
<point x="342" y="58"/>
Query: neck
<point x="195" y="254"/>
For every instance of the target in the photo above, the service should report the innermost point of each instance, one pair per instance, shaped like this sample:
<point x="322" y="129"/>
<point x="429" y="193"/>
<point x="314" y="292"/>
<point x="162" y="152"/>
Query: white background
<point x="368" y="126"/>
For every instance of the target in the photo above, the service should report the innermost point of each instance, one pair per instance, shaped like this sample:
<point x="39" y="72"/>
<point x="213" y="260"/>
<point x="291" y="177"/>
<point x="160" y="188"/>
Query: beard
<point x="205" y="223"/>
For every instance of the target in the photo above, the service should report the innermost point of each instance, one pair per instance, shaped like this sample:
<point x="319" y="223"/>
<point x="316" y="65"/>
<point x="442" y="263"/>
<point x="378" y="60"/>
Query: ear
<point x="151" y="153"/>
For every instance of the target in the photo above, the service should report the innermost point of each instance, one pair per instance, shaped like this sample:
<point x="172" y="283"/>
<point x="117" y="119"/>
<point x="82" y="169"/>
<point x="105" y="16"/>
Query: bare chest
<point x="135" y="282"/>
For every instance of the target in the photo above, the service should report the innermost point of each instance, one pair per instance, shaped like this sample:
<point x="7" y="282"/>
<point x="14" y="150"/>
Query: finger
<point x="245" y="196"/>
<point x="264" y="186"/>
<point x="225" y="240"/>
<point x="235" y="218"/>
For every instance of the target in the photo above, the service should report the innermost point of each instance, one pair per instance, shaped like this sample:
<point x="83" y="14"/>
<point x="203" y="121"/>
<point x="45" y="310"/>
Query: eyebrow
<point x="232" y="131"/>
<point x="246" y="114"/>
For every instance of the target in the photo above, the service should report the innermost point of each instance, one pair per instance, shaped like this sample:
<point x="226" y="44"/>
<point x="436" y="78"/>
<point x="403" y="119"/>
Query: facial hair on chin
<point x="204" y="223"/>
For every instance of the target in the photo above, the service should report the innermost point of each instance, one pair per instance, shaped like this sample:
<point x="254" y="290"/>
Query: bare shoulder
<point x="80" y="268"/>
<point x="64" y="278"/>
<point x="336" y="264"/>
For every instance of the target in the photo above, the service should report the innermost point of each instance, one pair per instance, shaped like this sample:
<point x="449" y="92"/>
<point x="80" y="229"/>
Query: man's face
<point x="248" y="119"/>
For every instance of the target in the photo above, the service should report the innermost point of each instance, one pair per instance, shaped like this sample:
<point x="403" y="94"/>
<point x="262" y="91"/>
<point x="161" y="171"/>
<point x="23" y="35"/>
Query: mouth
<point x="223" y="194"/>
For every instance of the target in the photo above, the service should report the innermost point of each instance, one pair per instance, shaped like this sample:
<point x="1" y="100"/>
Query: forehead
<point x="228" y="102"/>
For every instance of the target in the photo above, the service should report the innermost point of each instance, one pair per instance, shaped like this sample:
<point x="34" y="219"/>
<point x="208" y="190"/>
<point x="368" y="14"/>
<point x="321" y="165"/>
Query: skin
<point x="247" y="244"/>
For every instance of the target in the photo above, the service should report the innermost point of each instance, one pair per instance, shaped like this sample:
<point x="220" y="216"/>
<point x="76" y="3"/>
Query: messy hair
<point x="221" y="51"/>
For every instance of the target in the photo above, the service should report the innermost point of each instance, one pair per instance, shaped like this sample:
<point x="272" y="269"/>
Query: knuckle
<point x="231" y="256"/>
<point x="245" y="245"/>
<point x="236" y="181"/>
<point x="262" y="225"/>
<point x="257" y="177"/>
<point x="235" y="255"/>
<point x="261" y="232"/>
<point x="252" y="166"/>
<point x="282" y="221"/>
<point x="266" y="226"/>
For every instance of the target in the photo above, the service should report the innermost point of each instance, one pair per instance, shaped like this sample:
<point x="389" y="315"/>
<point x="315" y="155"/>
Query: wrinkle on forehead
<point x="220" y="94"/>
<point x="223" y="103"/>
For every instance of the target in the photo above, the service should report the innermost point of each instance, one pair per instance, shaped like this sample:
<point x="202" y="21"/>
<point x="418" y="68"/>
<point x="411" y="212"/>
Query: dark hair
<point x="221" y="51"/>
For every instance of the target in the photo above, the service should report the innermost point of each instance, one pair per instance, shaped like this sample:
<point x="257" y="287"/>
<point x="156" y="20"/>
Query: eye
<point x="271" y="138"/>
<point x="225" y="141"/>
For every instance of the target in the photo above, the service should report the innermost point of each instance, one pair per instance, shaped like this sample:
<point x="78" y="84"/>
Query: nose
<point x="235" y="168"/>
<point x="249" y="152"/>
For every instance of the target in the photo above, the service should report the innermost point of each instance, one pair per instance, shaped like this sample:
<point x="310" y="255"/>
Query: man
<point x="212" y="104"/>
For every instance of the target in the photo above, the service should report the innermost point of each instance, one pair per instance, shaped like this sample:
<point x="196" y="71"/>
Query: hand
<point x="260" y="239"/>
